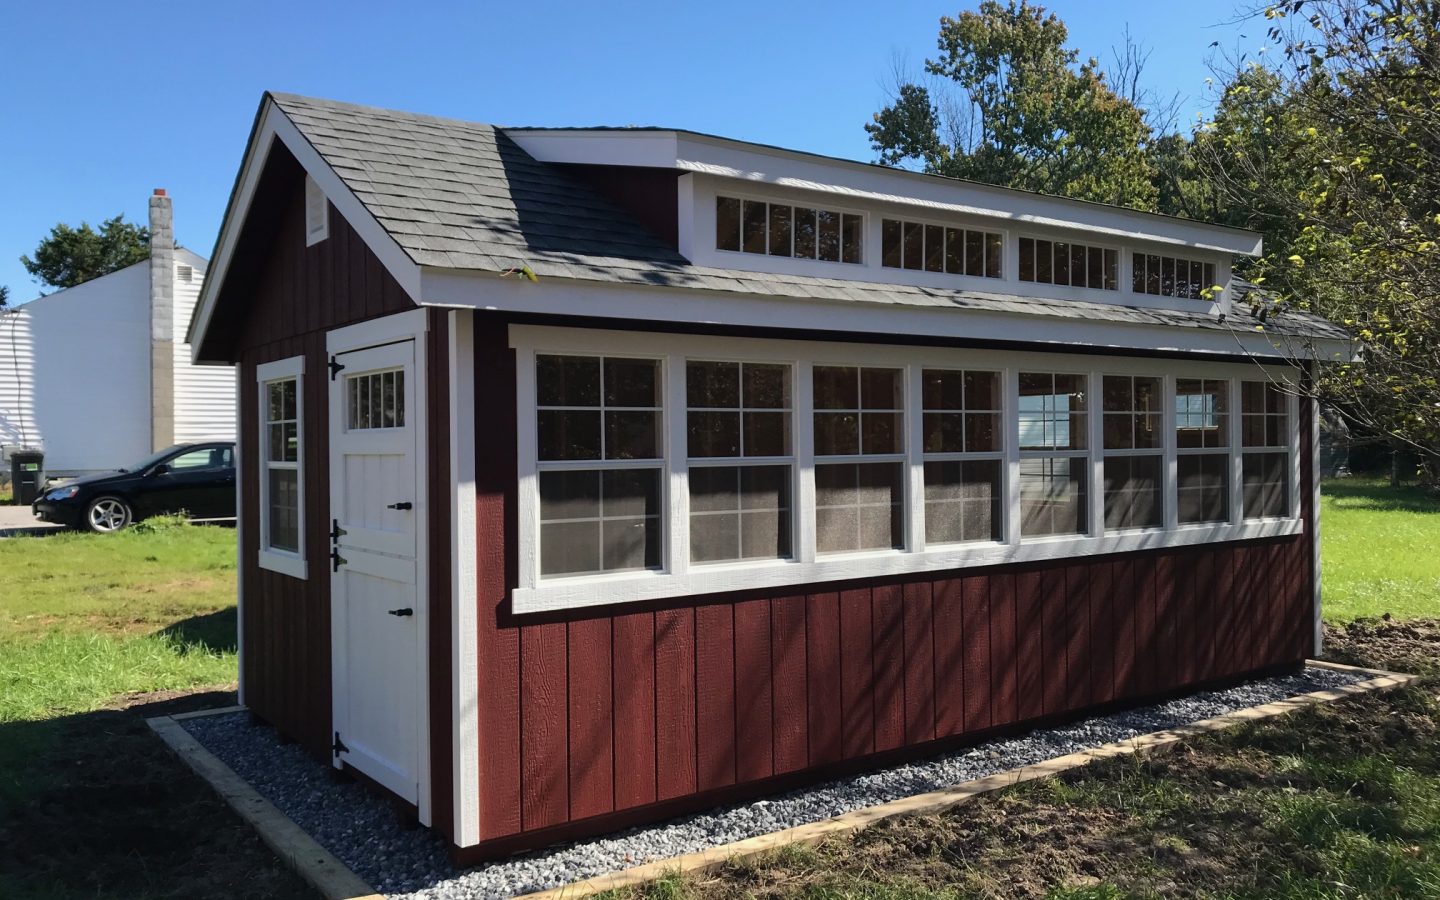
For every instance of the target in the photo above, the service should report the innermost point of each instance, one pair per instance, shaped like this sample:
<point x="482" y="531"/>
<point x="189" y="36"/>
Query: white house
<point x="99" y="375"/>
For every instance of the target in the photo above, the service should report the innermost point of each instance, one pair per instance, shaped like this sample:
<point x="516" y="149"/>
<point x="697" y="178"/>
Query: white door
<point x="376" y="607"/>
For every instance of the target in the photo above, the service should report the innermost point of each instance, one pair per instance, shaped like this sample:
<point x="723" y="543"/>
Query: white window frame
<point x="1117" y="249"/>
<point x="679" y="578"/>
<point x="1134" y="251"/>
<point x="1291" y="449"/>
<point x="1005" y="241"/>
<point x="1230" y="450"/>
<point x="1131" y="452"/>
<point x="769" y="201"/>
<point x="317" y="213"/>
<point x="909" y="532"/>
<point x="273" y="559"/>
<point x="1002" y="438"/>
<point x="1089" y="526"/>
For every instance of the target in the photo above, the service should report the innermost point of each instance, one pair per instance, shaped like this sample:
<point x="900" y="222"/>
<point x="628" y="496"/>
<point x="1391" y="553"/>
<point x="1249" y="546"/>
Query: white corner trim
<point x="269" y="558"/>
<point x="1315" y="567"/>
<point x="242" y="529"/>
<point x="464" y="614"/>
<point x="271" y="126"/>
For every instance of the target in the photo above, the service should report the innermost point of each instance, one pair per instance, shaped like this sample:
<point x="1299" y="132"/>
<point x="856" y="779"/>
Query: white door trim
<point x="464" y="613"/>
<point x="410" y="325"/>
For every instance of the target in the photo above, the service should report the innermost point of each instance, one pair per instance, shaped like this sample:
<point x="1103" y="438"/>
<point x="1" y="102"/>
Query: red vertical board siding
<point x="1167" y="614"/>
<point x="857" y="693"/>
<point x="888" y="611"/>
<point x="947" y="605"/>
<point x="754" y="702"/>
<point x="1055" y="640"/>
<point x="1004" y="646"/>
<point x="822" y="682"/>
<point x="1209" y="643"/>
<point x="715" y="695"/>
<point x="675" y="702"/>
<point x="1102" y="634"/>
<point x="1123" y="608"/>
<point x="544" y="774"/>
<point x="790" y="715"/>
<point x="1029" y="655"/>
<point x="1304" y="626"/>
<point x="1145" y="628"/>
<point x="1240" y="628"/>
<point x="592" y="730"/>
<point x="979" y="693"/>
<point x="1077" y="637"/>
<point x="919" y="663"/>
<point x="634" y="684"/>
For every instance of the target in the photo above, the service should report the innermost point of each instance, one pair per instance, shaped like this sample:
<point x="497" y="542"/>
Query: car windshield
<point x="151" y="460"/>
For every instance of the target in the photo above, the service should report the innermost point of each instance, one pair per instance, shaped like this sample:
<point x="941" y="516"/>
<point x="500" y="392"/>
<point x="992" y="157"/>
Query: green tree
<point x="4" y="296"/>
<point x="1012" y="105"/>
<point x="69" y="256"/>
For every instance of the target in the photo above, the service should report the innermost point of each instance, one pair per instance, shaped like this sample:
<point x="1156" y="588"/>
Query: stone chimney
<point x="162" y="321"/>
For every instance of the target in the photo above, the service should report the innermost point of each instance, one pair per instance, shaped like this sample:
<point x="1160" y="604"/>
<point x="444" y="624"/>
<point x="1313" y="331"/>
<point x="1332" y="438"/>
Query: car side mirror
<point x="161" y="469"/>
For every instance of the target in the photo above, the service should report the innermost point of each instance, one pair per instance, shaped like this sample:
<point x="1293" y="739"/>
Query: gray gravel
<point x="361" y="830"/>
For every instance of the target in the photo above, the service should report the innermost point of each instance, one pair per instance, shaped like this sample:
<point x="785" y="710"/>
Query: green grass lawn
<point x="1380" y="550"/>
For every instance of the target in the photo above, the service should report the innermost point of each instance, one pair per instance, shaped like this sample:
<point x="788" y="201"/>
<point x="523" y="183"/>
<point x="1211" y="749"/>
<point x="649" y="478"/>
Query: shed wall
<point x="593" y="719"/>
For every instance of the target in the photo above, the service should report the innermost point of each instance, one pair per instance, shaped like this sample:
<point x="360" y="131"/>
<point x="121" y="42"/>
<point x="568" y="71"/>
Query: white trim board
<point x="464" y="614"/>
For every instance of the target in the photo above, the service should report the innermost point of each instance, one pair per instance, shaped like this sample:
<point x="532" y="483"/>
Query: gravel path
<point x="360" y="829"/>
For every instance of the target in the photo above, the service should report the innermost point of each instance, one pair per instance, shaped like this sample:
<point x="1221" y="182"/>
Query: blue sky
<point x="102" y="102"/>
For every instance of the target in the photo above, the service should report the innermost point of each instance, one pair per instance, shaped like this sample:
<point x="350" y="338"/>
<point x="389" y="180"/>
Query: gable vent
<point x="317" y="219"/>
<point x="184" y="273"/>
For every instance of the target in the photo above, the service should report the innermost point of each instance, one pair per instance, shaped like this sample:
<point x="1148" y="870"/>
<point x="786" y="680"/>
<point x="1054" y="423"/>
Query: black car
<point x="195" y="479"/>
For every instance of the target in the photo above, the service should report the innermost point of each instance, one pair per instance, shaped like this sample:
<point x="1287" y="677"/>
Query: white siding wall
<point x="204" y="395"/>
<point x="75" y="381"/>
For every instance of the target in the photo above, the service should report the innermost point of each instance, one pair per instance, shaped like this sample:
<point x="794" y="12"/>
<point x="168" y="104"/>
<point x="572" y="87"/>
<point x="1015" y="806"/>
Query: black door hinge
<point x="336" y="560"/>
<point x="335" y="367"/>
<point x="339" y="746"/>
<point x="336" y="532"/>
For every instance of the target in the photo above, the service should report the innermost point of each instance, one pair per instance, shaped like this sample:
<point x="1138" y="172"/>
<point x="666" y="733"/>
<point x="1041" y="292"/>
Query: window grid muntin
<point x="366" y="405"/>
<point x="942" y="249"/>
<point x="1129" y="453"/>
<point x="743" y="459"/>
<point x="863" y="462"/>
<point x="1043" y="461"/>
<point x="284" y="469"/>
<point x="601" y="464"/>
<point x="936" y="459"/>
<point x="849" y="235"/>
<point x="1266" y="493"/>
<point x="1037" y="266"/>
<point x="1159" y="275"/>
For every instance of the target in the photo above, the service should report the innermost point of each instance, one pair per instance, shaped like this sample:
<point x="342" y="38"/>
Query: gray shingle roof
<point x="463" y="195"/>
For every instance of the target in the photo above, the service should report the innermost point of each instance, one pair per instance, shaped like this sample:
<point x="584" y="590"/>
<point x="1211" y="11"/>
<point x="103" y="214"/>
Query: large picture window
<point x="962" y="429"/>
<point x="741" y="465"/>
<point x="281" y="469"/>
<point x="1265" y="459"/>
<point x="659" y="466"/>
<point x="600" y="464"/>
<point x="1134" y="449"/>
<point x="1202" y="439"/>
<point x="1054" y="462"/>
<point x="859" y="458"/>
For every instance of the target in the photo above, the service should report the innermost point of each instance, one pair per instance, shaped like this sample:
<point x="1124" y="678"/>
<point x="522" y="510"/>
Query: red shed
<point x="590" y="476"/>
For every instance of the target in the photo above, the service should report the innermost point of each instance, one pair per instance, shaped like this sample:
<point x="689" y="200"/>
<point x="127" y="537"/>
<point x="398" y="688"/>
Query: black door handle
<point x="403" y="504"/>
<point x="403" y="611"/>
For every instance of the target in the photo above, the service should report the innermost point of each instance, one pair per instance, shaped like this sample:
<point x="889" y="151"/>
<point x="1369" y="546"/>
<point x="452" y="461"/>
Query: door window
<point x="376" y="400"/>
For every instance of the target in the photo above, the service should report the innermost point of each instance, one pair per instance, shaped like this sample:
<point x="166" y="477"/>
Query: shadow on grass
<point x="1379" y="496"/>
<point x="208" y="633"/>
<point x="95" y="805"/>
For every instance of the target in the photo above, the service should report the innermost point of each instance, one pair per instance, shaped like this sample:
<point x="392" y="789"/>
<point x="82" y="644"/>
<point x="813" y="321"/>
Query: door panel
<point x="376" y="604"/>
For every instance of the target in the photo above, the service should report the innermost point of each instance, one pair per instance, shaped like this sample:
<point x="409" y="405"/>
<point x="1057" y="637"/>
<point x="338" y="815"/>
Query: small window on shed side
<point x="317" y="219"/>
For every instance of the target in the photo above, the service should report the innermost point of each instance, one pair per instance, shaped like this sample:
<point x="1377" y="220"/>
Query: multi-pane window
<point x="740" y="460"/>
<point x="1076" y="265"/>
<point x="962" y="444"/>
<point x="1171" y="276"/>
<point x="600" y="463"/>
<point x="1265" y="440"/>
<point x="1053" y="412"/>
<point x="781" y="229"/>
<point x="1202" y="439"/>
<point x="937" y="248"/>
<point x="1134" y="450"/>
<point x="376" y="400"/>
<point x="281" y="459"/>
<point x="859" y="458"/>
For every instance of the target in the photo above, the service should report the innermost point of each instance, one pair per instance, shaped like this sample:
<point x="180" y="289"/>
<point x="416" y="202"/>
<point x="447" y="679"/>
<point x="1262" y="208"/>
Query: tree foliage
<point x="69" y="256"/>
<point x="1012" y="105"/>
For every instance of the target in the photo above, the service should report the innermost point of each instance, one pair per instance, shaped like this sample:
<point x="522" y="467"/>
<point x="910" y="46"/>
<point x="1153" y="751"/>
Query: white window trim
<point x="1005" y="244"/>
<point x="282" y="561"/>
<point x="1085" y="290"/>
<point x="776" y="200"/>
<point x="1131" y="452"/>
<point x="915" y="396"/>
<point x="316" y="205"/>
<point x="681" y="579"/>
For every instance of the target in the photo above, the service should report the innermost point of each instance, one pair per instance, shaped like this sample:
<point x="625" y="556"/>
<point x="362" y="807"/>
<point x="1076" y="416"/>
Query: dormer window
<point x="780" y="229"/>
<point x="1171" y="276"/>
<point x="938" y="248"/>
<point x="1064" y="263"/>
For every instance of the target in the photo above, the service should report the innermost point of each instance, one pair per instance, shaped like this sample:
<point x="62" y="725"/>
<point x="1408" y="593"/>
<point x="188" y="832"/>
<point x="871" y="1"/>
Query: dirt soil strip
<point x="938" y="801"/>
<point x="311" y="861"/>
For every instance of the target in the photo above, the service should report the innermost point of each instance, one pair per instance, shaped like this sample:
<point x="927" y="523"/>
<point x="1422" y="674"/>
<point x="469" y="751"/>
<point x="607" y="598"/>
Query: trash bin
<point x="27" y="475"/>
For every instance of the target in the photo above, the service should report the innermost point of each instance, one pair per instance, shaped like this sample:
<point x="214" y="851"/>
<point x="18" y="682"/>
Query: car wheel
<point x="107" y="514"/>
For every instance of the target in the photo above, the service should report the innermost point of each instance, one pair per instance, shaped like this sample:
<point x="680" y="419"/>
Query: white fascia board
<point x="873" y="183"/>
<point x="558" y="297"/>
<point x="273" y="126"/>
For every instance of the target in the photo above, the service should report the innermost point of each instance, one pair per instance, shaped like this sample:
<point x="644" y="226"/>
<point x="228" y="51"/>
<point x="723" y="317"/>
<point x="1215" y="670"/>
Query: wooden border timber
<point x="328" y="875"/>
<point x="938" y="801"/>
